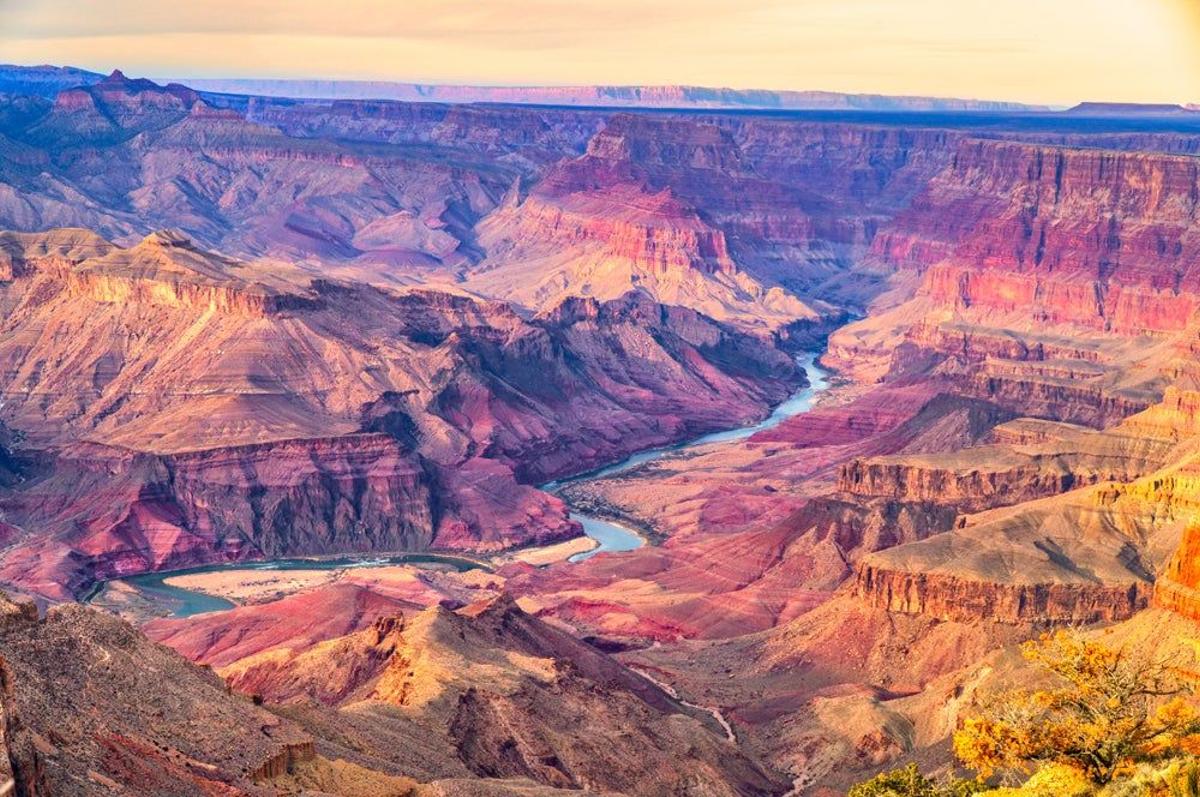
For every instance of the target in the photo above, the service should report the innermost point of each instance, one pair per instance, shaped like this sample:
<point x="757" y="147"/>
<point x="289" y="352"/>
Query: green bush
<point x="909" y="782"/>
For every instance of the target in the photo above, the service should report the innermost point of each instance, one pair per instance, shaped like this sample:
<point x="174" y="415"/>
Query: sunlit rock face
<point x="1099" y="239"/>
<point x="469" y="678"/>
<point x="192" y="408"/>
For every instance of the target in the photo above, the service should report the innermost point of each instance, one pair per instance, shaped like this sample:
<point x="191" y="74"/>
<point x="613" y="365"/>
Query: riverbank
<point x="616" y="530"/>
<point x="190" y="591"/>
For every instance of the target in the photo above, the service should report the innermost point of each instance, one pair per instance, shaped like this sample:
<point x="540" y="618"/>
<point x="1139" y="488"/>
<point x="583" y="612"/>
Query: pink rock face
<point x="1098" y="239"/>
<point x="782" y="194"/>
<point x="297" y="622"/>
<point x="118" y="513"/>
<point x="655" y="231"/>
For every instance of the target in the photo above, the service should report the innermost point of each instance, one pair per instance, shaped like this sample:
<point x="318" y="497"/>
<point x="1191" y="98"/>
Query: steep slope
<point x="125" y="157"/>
<point x="1091" y="238"/>
<point x="114" y="109"/>
<point x="190" y="407"/>
<point x="93" y="706"/>
<point x="595" y="226"/>
<point x="759" y="204"/>
<point x="90" y="706"/>
<point x="497" y="689"/>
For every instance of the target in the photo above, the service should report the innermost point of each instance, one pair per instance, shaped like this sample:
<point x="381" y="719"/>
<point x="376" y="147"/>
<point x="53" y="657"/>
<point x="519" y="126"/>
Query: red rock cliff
<point x="1103" y="239"/>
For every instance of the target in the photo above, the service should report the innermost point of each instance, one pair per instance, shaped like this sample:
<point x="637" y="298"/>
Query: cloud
<point x="497" y="21"/>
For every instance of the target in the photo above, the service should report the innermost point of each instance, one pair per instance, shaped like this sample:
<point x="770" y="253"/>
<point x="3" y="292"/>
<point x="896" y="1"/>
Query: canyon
<point x="427" y="405"/>
<point x="242" y="329"/>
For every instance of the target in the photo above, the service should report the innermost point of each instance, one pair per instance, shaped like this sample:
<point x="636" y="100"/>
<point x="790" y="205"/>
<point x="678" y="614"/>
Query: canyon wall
<point x="1094" y="238"/>
<point x="962" y="600"/>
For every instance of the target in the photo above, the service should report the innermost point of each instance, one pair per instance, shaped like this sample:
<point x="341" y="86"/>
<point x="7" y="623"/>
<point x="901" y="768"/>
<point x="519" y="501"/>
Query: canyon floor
<point x="307" y="405"/>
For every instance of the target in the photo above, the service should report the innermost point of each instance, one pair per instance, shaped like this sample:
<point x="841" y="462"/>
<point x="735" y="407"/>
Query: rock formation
<point x="171" y="439"/>
<point x="496" y="691"/>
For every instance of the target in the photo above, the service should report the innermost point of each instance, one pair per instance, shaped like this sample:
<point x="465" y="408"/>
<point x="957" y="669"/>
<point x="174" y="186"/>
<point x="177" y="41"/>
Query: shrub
<point x="1107" y="711"/>
<point x="909" y="782"/>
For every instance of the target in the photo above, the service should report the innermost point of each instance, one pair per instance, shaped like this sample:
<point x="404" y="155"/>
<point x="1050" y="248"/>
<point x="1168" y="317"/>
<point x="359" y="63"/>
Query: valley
<point x="188" y="592"/>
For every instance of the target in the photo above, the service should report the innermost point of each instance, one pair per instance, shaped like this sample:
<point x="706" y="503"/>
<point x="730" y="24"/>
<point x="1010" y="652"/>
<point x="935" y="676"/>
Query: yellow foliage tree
<point x="1107" y="710"/>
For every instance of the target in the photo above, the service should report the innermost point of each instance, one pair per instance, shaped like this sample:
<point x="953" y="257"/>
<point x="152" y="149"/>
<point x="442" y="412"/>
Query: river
<point x="610" y="537"/>
<point x="182" y="602"/>
<point x="613" y="537"/>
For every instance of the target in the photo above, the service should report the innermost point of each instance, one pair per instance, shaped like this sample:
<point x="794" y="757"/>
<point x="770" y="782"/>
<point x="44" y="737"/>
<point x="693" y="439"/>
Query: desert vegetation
<point x="1098" y="720"/>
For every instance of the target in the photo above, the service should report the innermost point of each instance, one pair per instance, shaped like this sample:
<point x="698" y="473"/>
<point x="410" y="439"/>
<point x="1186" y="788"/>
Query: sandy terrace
<point x="421" y="585"/>
<point x="549" y="554"/>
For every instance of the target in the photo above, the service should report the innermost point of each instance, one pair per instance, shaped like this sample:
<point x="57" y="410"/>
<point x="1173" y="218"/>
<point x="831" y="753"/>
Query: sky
<point x="1044" y="51"/>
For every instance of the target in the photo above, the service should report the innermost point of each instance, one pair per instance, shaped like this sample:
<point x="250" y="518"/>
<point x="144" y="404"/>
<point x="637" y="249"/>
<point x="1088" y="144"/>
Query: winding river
<point x="609" y="536"/>
<point x="613" y="537"/>
<point x="181" y="602"/>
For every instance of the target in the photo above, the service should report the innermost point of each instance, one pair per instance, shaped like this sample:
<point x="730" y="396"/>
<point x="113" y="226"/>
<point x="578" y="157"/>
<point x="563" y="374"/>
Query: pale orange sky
<point x="1053" y="51"/>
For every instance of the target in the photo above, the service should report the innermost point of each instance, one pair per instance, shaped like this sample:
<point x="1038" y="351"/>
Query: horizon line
<point x="484" y="85"/>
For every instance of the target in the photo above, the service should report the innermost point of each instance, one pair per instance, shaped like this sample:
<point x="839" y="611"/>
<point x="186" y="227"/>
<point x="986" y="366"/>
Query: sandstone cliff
<point x="1095" y="238"/>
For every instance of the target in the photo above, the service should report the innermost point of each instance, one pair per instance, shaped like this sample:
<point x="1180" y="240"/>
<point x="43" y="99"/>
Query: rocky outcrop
<point x="297" y="622"/>
<point x="1094" y="304"/>
<point x="859" y="525"/>
<point x="285" y="761"/>
<point x="1021" y="368"/>
<point x="981" y="487"/>
<point x="362" y="492"/>
<point x="1073" y="401"/>
<point x="146" y="512"/>
<point x="1058" y="356"/>
<point x="1086" y="555"/>
<point x="22" y="771"/>
<point x="165" y="268"/>
<point x="496" y="693"/>
<point x="1028" y="459"/>
<point x="945" y="597"/>
<point x="196" y="296"/>
<point x="87" y="700"/>
<point x="1178" y="587"/>
<point x="1176" y="417"/>
<point x="114" y="109"/>
<point x="652" y="231"/>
